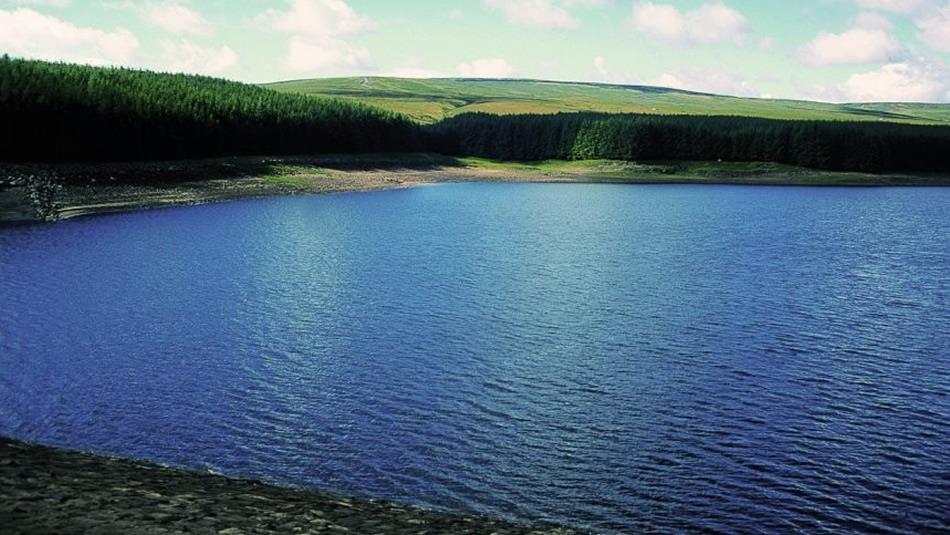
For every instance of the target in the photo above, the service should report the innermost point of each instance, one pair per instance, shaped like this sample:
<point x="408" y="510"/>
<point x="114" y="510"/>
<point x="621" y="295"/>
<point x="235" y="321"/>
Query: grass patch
<point x="625" y="169"/>
<point x="697" y="172"/>
<point x="293" y="175"/>
<point x="428" y="101"/>
<point x="286" y="180"/>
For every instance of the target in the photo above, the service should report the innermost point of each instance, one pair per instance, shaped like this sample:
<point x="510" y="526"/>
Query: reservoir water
<point x="617" y="358"/>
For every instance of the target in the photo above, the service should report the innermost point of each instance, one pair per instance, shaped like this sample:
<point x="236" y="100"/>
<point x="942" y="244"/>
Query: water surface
<point x="621" y="358"/>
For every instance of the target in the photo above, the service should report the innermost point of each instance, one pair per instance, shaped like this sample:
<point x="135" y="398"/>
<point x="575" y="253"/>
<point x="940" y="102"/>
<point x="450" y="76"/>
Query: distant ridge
<point x="602" y="85"/>
<point x="428" y="100"/>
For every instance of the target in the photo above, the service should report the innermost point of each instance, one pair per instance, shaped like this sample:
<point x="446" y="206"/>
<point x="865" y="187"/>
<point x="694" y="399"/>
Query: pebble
<point x="44" y="490"/>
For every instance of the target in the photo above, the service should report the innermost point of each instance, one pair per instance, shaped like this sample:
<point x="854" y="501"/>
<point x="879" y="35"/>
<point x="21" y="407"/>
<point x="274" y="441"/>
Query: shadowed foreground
<point x="43" y="490"/>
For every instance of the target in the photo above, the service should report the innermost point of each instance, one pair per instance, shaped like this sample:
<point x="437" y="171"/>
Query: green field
<point x="429" y="100"/>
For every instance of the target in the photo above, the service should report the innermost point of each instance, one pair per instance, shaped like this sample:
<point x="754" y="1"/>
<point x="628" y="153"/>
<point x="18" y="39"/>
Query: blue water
<point x="620" y="358"/>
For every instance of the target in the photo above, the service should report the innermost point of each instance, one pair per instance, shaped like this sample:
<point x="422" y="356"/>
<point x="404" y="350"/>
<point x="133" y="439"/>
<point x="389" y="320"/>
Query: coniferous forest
<point x="62" y="112"/>
<point x="835" y="146"/>
<point x="52" y="112"/>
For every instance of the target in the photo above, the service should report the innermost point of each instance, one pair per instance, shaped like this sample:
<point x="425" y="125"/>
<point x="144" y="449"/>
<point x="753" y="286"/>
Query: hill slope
<point x="429" y="100"/>
<point x="57" y="112"/>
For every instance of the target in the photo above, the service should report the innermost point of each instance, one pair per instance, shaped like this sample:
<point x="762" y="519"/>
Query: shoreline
<point x="32" y="193"/>
<point x="52" y="490"/>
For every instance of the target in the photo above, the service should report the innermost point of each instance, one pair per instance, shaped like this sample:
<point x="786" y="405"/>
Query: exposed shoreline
<point x="47" y="490"/>
<point x="35" y="192"/>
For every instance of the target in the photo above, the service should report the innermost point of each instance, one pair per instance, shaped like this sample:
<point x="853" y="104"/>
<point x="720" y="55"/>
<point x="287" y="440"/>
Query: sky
<point x="829" y="50"/>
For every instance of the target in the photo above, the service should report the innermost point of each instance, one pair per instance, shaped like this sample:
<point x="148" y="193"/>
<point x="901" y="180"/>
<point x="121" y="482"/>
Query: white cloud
<point x="487" y="68"/>
<point x="718" y="81"/>
<point x="551" y="14"/>
<point x="935" y="28"/>
<point x="26" y="33"/>
<point x="316" y="28"/>
<point x="899" y="82"/>
<point x="895" y="6"/>
<point x="917" y="80"/>
<point x="853" y="47"/>
<point x="604" y="73"/>
<point x="327" y="55"/>
<point x="45" y="3"/>
<point x="185" y="56"/>
<point x="715" y="23"/>
<point x="541" y="13"/>
<point x="659" y="20"/>
<point x="175" y="17"/>
<point x="318" y="18"/>
<point x="932" y="18"/>
<point x="600" y="65"/>
<point x="711" y="23"/>
<point x="586" y="3"/>
<point x="872" y="21"/>
<point x="704" y="80"/>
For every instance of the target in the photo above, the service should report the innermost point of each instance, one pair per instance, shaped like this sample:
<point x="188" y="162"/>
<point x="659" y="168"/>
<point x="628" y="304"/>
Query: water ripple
<point x="624" y="359"/>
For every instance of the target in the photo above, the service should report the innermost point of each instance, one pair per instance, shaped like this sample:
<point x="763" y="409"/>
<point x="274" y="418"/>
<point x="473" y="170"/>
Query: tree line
<point x="829" y="145"/>
<point x="56" y="112"/>
<point x="62" y="112"/>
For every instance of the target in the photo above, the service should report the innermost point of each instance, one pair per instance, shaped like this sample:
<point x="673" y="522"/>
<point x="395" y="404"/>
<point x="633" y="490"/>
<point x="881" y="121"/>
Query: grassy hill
<point x="429" y="100"/>
<point x="56" y="112"/>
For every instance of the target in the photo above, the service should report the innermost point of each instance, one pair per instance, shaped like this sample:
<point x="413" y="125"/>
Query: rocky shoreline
<point x="31" y="193"/>
<point x="44" y="193"/>
<point x="46" y="490"/>
<point x="38" y="193"/>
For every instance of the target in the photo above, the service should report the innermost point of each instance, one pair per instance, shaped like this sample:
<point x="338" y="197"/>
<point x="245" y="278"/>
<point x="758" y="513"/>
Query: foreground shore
<point x="32" y="193"/>
<point x="44" y="490"/>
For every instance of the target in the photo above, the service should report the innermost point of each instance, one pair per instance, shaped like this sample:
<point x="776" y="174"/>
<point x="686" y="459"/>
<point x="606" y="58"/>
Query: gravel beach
<point x="45" y="490"/>
<point x="31" y="193"/>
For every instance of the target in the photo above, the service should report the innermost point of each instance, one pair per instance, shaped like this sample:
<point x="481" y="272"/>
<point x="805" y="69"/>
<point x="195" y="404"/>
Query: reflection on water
<point x="613" y="357"/>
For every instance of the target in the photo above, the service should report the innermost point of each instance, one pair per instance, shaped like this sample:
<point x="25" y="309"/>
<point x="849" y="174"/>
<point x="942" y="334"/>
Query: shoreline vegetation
<point x="47" y="490"/>
<point x="51" y="192"/>
<point x="54" y="112"/>
<point x="182" y="139"/>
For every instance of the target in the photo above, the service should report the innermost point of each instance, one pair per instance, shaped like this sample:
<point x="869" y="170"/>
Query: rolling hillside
<point x="58" y="112"/>
<point x="429" y="100"/>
